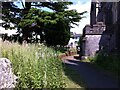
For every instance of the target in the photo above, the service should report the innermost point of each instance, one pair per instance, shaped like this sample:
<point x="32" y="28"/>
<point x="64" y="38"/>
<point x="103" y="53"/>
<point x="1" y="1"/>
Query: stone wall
<point x="91" y="45"/>
<point x="104" y="35"/>
<point x="93" y="39"/>
<point x="111" y="17"/>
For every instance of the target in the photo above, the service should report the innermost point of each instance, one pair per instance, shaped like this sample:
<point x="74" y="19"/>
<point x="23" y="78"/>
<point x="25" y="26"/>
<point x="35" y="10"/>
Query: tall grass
<point x="37" y="66"/>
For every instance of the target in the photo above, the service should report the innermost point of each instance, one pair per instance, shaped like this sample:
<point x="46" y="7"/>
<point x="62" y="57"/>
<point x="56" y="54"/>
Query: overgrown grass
<point x="108" y="62"/>
<point x="37" y="66"/>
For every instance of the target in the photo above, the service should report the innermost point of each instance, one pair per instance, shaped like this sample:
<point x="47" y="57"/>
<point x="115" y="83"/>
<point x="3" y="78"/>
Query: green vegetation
<point x="108" y="62"/>
<point x="52" y="27"/>
<point x="36" y="66"/>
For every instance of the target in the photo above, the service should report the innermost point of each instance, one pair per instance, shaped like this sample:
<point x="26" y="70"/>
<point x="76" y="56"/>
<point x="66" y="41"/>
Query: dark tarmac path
<point x="92" y="77"/>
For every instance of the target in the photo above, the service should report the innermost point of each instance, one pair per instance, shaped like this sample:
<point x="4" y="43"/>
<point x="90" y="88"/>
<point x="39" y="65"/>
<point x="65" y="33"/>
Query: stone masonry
<point x="7" y="78"/>
<point x="92" y="39"/>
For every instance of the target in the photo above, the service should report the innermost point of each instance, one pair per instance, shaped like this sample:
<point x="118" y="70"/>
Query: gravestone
<point x="7" y="78"/>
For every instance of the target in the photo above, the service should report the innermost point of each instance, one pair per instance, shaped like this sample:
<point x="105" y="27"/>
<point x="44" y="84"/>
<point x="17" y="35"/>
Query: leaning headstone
<point x="7" y="78"/>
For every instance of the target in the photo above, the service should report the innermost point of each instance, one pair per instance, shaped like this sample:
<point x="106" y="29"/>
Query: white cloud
<point x="80" y="7"/>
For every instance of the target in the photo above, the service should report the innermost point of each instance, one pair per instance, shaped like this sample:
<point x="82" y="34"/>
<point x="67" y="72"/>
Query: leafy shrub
<point x="37" y="66"/>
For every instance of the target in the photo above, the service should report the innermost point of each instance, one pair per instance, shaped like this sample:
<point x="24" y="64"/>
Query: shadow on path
<point x="92" y="77"/>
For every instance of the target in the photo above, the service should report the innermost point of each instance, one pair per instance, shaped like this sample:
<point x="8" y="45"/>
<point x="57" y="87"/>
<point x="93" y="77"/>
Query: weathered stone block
<point x="7" y="78"/>
<point x="91" y="45"/>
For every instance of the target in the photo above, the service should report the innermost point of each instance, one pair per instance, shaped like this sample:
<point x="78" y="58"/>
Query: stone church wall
<point x="92" y="44"/>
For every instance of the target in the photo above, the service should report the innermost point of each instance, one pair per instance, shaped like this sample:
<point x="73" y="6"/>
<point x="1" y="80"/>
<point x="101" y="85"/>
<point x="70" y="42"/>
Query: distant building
<point x="74" y="40"/>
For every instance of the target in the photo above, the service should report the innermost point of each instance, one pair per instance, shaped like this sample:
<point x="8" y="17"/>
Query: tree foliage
<point x="53" y="27"/>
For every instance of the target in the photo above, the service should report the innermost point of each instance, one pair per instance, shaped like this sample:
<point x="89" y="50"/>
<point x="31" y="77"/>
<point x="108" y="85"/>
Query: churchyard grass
<point x="36" y="66"/>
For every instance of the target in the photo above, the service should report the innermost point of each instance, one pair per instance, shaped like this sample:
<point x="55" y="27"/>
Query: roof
<point x="75" y="34"/>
